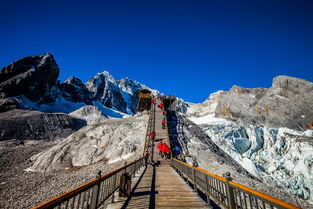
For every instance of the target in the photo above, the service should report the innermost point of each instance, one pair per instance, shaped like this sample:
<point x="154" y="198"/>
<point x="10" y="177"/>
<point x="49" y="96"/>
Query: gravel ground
<point x="21" y="189"/>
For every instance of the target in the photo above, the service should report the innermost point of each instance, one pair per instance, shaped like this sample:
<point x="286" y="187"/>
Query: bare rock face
<point x="33" y="125"/>
<point x="130" y="90"/>
<point x="31" y="76"/>
<point x="104" y="89"/>
<point x="8" y="104"/>
<point x="75" y="90"/>
<point x="288" y="103"/>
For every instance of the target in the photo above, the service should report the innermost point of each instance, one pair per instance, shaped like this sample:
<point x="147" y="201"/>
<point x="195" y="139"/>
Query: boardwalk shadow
<point x="150" y="192"/>
<point x="153" y="192"/>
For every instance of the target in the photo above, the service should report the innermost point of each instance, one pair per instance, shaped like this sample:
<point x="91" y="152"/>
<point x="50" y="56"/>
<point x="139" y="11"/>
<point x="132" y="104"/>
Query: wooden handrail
<point x="201" y="170"/>
<point x="56" y="200"/>
<point x="244" y="188"/>
<point x="264" y="196"/>
<point x="147" y="132"/>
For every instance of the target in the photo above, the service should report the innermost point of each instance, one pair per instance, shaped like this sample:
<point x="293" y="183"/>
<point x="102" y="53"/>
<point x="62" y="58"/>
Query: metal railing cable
<point x="227" y="193"/>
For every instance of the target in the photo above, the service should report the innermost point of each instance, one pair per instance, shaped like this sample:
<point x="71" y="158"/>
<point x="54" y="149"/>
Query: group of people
<point x="164" y="150"/>
<point x="161" y="106"/>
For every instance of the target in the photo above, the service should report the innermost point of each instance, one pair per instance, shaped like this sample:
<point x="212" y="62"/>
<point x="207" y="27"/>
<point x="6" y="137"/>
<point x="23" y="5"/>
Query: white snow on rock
<point x="91" y="114"/>
<point x="29" y="170"/>
<point x="60" y="105"/>
<point x="112" y="139"/>
<point x="110" y="112"/>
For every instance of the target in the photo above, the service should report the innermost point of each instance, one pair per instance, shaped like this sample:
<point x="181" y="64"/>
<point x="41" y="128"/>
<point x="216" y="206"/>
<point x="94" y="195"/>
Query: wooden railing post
<point x="207" y="190"/>
<point x="114" y="185"/>
<point x="125" y="163"/>
<point x="194" y="179"/>
<point x="230" y="192"/>
<point x="95" y="193"/>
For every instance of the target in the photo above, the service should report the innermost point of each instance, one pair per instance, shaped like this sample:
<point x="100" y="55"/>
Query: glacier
<point x="279" y="156"/>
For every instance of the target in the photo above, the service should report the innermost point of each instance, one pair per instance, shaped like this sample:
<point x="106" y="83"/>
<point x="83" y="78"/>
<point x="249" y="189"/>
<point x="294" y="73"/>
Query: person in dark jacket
<point x="146" y="158"/>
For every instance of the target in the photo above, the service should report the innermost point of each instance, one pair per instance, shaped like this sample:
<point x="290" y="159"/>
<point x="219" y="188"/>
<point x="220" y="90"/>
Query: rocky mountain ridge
<point x="33" y="80"/>
<point x="31" y="86"/>
<point x="287" y="103"/>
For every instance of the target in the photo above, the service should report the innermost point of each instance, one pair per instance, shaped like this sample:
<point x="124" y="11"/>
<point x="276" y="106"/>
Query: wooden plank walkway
<point x="158" y="185"/>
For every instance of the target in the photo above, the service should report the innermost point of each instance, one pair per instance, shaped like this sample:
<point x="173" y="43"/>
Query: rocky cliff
<point x="74" y="90"/>
<point x="31" y="76"/>
<point x="287" y="103"/>
<point x="30" y="125"/>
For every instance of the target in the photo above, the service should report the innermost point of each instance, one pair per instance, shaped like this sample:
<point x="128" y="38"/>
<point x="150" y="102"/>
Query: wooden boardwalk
<point x="158" y="185"/>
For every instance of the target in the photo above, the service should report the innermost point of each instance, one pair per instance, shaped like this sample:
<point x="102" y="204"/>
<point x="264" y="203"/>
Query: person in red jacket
<point x="160" y="148"/>
<point x="152" y="135"/>
<point x="161" y="106"/>
<point x="163" y="124"/>
<point x="166" y="151"/>
<point x="152" y="101"/>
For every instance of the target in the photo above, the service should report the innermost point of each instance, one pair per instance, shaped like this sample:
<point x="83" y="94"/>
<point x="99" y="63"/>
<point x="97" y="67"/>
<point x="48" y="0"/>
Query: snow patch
<point x="29" y="170"/>
<point x="111" y="113"/>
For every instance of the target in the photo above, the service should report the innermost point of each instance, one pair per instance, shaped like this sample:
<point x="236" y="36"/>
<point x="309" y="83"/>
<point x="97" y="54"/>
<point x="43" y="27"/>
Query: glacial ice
<point x="280" y="156"/>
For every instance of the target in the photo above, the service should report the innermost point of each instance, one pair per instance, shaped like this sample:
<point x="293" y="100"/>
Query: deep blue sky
<point x="186" y="48"/>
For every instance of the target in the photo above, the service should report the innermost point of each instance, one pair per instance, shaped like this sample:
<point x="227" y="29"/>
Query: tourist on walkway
<point x="152" y="135"/>
<point x="166" y="151"/>
<point x="146" y="158"/>
<point x="163" y="124"/>
<point x="160" y="148"/>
